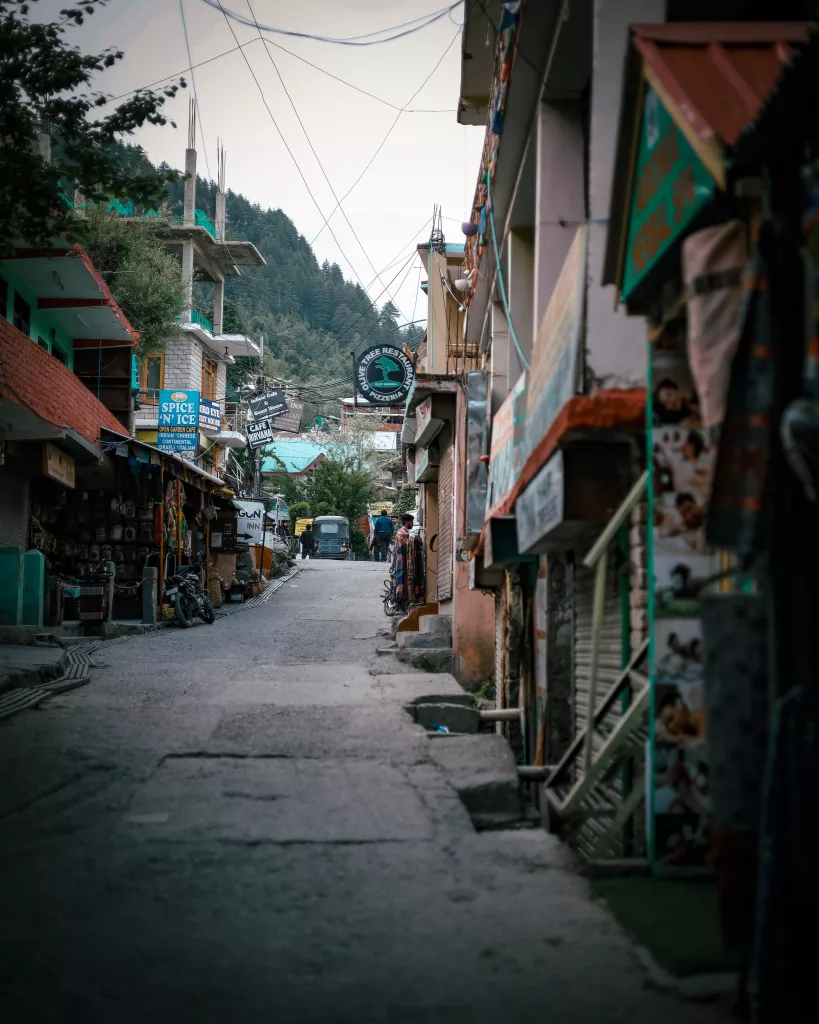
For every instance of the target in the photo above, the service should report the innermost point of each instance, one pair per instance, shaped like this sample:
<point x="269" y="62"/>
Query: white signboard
<point x="250" y="522"/>
<point x="539" y="510"/>
<point x="384" y="440"/>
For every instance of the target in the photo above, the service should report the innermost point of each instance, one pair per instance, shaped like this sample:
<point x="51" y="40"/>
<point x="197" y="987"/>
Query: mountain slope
<point x="310" y="315"/>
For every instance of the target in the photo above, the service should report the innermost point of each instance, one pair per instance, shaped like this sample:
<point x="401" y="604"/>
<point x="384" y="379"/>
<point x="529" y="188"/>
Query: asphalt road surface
<point x="241" y="823"/>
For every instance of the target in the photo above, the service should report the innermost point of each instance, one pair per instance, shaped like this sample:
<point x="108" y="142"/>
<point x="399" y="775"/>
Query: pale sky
<point x="428" y="158"/>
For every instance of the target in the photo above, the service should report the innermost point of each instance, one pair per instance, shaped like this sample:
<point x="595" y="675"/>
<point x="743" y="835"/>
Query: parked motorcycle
<point x="188" y="599"/>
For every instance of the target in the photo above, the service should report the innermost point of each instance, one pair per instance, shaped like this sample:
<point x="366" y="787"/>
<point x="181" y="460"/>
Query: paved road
<point x="240" y="823"/>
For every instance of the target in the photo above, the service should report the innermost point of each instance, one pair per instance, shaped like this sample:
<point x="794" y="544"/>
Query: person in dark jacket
<point x="382" y="535"/>
<point x="307" y="542"/>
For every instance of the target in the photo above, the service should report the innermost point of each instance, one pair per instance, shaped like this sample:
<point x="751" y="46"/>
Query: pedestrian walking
<point x="382" y="536"/>
<point x="307" y="542"/>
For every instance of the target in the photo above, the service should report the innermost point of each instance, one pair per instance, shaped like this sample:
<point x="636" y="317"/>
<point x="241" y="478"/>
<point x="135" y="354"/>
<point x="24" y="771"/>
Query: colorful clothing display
<point x="408" y="569"/>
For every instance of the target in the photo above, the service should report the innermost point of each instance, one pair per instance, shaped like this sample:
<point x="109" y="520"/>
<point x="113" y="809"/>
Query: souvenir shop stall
<point x="696" y="247"/>
<point x="138" y="508"/>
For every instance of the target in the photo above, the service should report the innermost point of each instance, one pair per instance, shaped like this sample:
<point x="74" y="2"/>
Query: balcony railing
<point x="198" y="318"/>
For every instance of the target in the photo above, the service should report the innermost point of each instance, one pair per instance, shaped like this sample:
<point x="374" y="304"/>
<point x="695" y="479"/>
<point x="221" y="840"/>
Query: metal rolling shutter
<point x="445" y="475"/>
<point x="609" y="665"/>
<point x="14" y="508"/>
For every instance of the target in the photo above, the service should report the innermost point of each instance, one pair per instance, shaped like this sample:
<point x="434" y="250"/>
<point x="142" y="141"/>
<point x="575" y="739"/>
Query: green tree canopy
<point x="143" y="277"/>
<point x="45" y="90"/>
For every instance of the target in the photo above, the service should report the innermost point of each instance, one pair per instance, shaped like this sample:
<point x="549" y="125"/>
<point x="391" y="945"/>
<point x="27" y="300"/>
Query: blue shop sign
<point x="178" y="422"/>
<point x="210" y="414"/>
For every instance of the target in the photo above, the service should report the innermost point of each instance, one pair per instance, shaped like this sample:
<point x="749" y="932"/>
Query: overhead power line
<point x="289" y="150"/>
<point x="389" y="132"/>
<point x="270" y="42"/>
<point x="315" y="154"/>
<point x="406" y="29"/>
<point x="193" y="84"/>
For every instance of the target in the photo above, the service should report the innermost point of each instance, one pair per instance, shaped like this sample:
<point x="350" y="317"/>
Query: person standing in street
<point x="407" y="566"/>
<point x="307" y="542"/>
<point x="382" y="535"/>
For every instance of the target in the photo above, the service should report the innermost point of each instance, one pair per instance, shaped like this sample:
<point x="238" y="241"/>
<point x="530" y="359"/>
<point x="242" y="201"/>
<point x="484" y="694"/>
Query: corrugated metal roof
<point x="796" y="91"/>
<point x="719" y="73"/>
<point x="714" y="78"/>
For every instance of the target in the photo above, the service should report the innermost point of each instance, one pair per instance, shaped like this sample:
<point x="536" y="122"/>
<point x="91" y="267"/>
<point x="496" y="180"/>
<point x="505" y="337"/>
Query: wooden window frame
<point x="209" y="378"/>
<point x="143" y="376"/>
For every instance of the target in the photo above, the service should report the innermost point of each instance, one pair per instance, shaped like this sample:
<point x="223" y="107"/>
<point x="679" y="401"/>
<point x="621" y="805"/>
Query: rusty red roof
<point x="720" y="73"/>
<point x="714" y="78"/>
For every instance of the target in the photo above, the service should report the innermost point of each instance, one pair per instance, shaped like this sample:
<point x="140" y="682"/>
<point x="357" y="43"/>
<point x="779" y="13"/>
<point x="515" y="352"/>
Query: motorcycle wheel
<point x="208" y="614"/>
<point x="183" y="611"/>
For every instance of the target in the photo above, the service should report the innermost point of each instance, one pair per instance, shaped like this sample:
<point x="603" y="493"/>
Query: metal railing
<point x="197" y="318"/>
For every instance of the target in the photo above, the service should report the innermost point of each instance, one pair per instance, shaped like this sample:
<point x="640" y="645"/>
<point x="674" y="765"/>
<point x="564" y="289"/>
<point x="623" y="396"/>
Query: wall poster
<point x="681" y="563"/>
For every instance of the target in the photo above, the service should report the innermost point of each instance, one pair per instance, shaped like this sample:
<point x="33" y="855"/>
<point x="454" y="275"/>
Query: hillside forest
<point x="310" y="315"/>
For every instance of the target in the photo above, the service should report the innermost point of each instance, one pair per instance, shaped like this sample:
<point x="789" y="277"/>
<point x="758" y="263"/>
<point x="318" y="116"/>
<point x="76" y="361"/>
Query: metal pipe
<point x="534" y="772"/>
<point x="501" y="715"/>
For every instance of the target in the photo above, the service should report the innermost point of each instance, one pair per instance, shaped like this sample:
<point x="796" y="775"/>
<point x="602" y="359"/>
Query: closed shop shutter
<point x="445" y="475"/>
<point x="609" y="664"/>
<point x="14" y="508"/>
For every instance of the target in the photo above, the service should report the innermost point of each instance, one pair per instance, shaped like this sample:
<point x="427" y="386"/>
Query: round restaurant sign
<point x="384" y="375"/>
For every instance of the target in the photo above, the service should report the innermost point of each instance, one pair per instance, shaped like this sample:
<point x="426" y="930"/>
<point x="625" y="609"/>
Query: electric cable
<point x="384" y="140"/>
<point x="361" y="40"/>
<point x="318" y="159"/>
<point x="499" y="271"/>
<point x="271" y="42"/>
<point x="349" y="327"/>
<point x="287" y="147"/>
<point x="193" y="85"/>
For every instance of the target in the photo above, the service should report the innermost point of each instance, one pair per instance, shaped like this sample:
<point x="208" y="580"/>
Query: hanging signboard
<point x="268" y="405"/>
<point x="58" y="466"/>
<point x="384" y="375"/>
<point x="250" y="522"/>
<point x="291" y="419"/>
<point x="671" y="186"/>
<point x="210" y="416"/>
<point x="507" y="442"/>
<point x="553" y="379"/>
<point x="259" y="433"/>
<point x="477" y="436"/>
<point x="178" y="422"/>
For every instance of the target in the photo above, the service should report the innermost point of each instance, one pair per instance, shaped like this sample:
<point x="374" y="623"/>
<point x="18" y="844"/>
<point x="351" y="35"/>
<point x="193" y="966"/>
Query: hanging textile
<point x="736" y="515"/>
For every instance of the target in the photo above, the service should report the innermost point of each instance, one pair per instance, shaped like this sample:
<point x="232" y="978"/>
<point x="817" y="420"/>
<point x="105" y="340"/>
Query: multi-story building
<point x="563" y="544"/>
<point x="445" y="463"/>
<point x="198" y="357"/>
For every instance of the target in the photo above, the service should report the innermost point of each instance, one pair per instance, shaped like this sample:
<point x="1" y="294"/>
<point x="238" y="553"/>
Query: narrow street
<point x="241" y="823"/>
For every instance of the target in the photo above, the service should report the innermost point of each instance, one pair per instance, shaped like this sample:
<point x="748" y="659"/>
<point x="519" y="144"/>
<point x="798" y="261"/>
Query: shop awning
<point x="20" y="424"/>
<point x="781" y="120"/>
<point x="181" y="463"/>
<point x="68" y="285"/>
<point x="709" y="79"/>
<point x="607" y="410"/>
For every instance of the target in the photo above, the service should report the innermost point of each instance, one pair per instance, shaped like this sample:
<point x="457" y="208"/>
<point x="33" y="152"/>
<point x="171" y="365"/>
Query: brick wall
<point x="183" y="363"/>
<point x="37" y="381"/>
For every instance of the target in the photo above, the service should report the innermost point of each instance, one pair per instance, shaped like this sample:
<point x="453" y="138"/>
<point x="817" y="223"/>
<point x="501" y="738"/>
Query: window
<point x="208" y="378"/>
<point x="42" y="343"/>
<point x="22" y="314"/>
<point x="4" y="297"/>
<point x="59" y="355"/>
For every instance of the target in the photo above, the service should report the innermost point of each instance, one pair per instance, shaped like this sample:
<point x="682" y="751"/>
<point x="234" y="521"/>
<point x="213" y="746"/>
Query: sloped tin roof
<point x="714" y="77"/>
